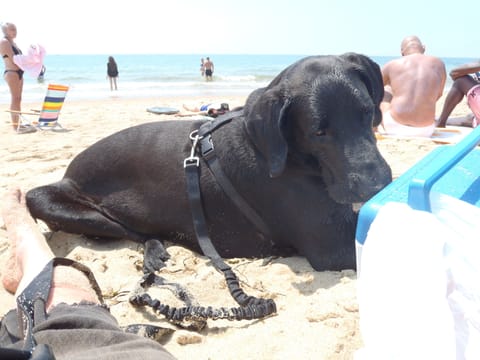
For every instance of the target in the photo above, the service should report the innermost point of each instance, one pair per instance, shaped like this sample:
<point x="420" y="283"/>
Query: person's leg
<point x="473" y="101"/>
<point x="66" y="328"/>
<point x="458" y="90"/>
<point x="191" y="109"/>
<point x="15" y="84"/>
<point x="30" y="253"/>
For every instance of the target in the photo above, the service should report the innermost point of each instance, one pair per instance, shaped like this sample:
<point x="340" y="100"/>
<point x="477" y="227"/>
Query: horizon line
<point x="238" y="54"/>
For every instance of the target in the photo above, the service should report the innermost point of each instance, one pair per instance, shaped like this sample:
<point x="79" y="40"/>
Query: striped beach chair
<point x="48" y="116"/>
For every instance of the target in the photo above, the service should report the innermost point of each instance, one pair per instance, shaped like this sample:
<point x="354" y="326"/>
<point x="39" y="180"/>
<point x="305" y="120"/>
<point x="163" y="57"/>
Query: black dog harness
<point x="206" y="151"/>
<point x="250" y="307"/>
<point x="202" y="147"/>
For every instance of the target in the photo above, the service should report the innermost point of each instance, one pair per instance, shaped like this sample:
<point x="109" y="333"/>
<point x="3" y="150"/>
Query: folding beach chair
<point x="48" y="115"/>
<point x="48" y="118"/>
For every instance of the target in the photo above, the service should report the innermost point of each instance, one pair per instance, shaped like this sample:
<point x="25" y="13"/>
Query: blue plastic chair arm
<point x="420" y="186"/>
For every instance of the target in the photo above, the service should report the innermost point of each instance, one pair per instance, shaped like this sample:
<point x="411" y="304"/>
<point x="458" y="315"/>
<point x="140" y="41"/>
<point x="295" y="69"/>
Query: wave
<point x="132" y="89"/>
<point x="162" y="75"/>
<point x="86" y="89"/>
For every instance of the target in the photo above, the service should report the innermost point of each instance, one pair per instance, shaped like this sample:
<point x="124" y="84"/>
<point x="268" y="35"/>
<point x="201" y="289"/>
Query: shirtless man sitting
<point x="413" y="84"/>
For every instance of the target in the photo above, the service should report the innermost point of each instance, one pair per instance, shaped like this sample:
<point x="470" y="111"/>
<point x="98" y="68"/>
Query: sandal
<point x="26" y="129"/>
<point x="31" y="309"/>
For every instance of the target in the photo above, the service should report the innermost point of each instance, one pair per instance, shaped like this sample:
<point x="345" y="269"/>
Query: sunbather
<point x="212" y="109"/>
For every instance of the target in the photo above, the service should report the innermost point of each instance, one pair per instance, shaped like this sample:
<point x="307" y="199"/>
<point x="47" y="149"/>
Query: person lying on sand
<point x="212" y="109"/>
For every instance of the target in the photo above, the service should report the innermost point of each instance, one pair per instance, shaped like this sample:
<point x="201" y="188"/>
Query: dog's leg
<point x="154" y="256"/>
<point x="62" y="208"/>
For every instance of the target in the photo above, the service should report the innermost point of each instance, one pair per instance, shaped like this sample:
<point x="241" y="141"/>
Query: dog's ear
<point x="371" y="75"/>
<point x="266" y="121"/>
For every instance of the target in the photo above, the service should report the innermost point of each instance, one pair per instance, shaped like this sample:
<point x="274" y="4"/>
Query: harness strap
<point x="210" y="157"/>
<point x="210" y="126"/>
<point x="199" y="222"/>
<point x="207" y="152"/>
<point x="259" y="307"/>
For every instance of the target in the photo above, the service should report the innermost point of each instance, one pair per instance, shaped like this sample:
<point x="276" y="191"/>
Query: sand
<point x="318" y="314"/>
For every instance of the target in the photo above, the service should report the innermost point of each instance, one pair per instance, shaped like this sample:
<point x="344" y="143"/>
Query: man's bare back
<point x="414" y="83"/>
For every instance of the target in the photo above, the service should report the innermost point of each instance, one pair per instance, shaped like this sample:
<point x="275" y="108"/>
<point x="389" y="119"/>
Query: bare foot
<point x="27" y="243"/>
<point x="11" y="274"/>
<point x="29" y="253"/>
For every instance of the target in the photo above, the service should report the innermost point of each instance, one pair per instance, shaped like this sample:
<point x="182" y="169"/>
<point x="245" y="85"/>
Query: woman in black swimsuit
<point x="13" y="75"/>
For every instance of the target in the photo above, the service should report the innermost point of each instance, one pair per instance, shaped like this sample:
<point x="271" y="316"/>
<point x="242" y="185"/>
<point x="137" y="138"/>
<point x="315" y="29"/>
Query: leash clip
<point x="192" y="159"/>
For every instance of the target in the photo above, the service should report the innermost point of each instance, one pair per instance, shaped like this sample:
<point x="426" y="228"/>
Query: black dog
<point x="302" y="152"/>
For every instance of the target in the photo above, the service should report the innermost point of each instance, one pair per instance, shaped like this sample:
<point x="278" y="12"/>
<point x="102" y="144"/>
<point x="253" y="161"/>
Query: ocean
<point x="164" y="75"/>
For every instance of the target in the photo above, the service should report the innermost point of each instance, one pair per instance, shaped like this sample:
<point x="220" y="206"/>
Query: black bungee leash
<point x="250" y="306"/>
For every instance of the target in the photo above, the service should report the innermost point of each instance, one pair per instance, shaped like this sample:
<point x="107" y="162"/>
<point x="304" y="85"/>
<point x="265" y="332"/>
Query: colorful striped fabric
<point x="52" y="105"/>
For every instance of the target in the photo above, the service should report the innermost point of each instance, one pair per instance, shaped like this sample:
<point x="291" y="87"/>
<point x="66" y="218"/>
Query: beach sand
<point x="318" y="314"/>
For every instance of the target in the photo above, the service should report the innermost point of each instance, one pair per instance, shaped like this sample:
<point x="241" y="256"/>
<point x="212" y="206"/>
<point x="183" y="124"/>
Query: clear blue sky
<point x="372" y="27"/>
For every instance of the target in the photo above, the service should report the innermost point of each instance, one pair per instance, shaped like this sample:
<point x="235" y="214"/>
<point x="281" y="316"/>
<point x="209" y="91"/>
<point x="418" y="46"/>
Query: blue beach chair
<point x="449" y="169"/>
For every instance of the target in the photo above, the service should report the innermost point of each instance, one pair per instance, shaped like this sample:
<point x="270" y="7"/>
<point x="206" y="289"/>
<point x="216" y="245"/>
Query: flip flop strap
<point x="32" y="301"/>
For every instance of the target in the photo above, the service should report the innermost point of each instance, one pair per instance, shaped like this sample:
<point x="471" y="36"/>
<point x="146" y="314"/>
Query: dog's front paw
<point x="154" y="256"/>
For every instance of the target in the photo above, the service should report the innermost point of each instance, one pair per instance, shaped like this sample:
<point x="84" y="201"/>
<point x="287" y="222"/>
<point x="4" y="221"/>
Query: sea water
<point x="164" y="75"/>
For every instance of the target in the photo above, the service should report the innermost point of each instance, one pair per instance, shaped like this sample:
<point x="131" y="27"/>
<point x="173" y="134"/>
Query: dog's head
<point x="317" y="116"/>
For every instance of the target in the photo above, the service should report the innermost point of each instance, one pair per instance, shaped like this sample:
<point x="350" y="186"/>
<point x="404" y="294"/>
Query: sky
<point x="208" y="27"/>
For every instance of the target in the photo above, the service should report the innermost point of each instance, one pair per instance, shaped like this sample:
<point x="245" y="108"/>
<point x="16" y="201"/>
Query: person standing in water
<point x="209" y="68"/>
<point x="202" y="67"/>
<point x="112" y="72"/>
